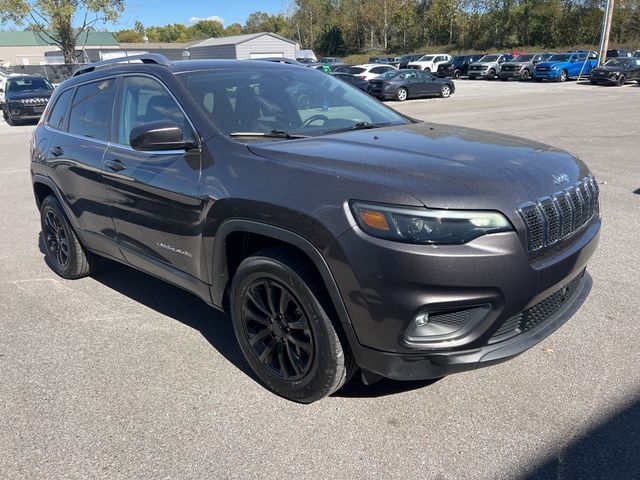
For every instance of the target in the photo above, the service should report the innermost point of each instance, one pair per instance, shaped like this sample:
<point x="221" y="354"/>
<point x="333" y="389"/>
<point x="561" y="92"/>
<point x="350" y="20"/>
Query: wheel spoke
<point x="267" y="351"/>
<point x="50" y="221"/>
<point x="256" y="317"/>
<point x="300" y="324"/>
<point x="285" y="298"/>
<point x="292" y="358"/>
<point x="257" y="301"/>
<point x="282" y="362"/>
<point x="306" y="346"/>
<point x="270" y="298"/>
<point x="258" y="337"/>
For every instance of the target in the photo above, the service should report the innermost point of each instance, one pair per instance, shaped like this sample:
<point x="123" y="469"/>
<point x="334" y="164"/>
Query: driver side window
<point x="144" y="100"/>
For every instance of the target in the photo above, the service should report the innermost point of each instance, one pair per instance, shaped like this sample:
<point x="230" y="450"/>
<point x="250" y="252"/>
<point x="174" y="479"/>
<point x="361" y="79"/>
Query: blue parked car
<point x="562" y="66"/>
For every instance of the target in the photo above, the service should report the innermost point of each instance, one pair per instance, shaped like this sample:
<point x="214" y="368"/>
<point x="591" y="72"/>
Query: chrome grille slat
<point x="557" y="217"/>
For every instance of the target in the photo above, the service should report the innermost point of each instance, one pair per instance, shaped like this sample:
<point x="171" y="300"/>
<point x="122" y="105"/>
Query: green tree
<point x="53" y="19"/>
<point x="233" y="29"/>
<point x="206" y="29"/>
<point x="129" y="36"/>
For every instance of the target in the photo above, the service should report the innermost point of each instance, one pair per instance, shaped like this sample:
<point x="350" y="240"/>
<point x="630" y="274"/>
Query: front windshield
<point x="27" y="84"/>
<point x="561" y="57"/>
<point x="427" y="58"/>
<point x="294" y="101"/>
<point x="489" y="58"/>
<point x="618" y="62"/>
<point x="523" y="58"/>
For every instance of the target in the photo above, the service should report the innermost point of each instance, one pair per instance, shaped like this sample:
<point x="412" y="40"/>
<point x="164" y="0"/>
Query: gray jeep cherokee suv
<point x="339" y="235"/>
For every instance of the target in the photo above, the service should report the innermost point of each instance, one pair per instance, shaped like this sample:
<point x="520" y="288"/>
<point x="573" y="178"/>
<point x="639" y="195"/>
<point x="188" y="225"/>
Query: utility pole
<point x="606" y="30"/>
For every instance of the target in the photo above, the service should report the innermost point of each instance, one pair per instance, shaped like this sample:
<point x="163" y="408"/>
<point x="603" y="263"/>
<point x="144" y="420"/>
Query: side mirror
<point x="158" y="136"/>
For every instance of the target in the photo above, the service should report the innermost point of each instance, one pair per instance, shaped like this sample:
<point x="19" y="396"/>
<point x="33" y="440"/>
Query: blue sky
<point x="163" y="12"/>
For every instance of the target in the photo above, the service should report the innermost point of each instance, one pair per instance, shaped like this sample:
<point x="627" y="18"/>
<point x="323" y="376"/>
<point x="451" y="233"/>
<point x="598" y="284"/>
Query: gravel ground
<point x="122" y="376"/>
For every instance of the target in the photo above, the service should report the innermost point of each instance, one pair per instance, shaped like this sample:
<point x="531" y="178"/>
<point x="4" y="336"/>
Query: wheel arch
<point x="238" y="238"/>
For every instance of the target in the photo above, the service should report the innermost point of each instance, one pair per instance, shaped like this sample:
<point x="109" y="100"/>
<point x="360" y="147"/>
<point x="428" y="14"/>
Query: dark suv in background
<point x="25" y="98"/>
<point x="338" y="234"/>
<point x="458" y="66"/>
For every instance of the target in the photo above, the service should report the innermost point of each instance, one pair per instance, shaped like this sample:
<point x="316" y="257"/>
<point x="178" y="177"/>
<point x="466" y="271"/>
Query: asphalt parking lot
<point x="122" y="376"/>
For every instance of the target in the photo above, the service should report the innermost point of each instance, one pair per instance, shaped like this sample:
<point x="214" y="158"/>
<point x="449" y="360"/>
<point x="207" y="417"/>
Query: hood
<point x="551" y="64"/>
<point x="28" y="95"/>
<point x="441" y="166"/>
<point x="609" y="68"/>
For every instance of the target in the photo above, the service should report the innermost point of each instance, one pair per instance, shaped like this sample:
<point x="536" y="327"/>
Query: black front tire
<point x="491" y="75"/>
<point x="621" y="81"/>
<point x="563" y="76"/>
<point x="457" y="73"/>
<point x="64" y="253"/>
<point x="525" y="75"/>
<point x="271" y="336"/>
<point x="8" y="118"/>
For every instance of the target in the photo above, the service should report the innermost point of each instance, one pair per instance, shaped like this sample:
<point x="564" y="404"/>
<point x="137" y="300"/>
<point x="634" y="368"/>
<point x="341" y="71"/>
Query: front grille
<point x="542" y="69"/>
<point x="554" y="218"/>
<point x="34" y="101"/>
<point x="475" y="67"/>
<point x="508" y="68"/>
<point x="535" y="316"/>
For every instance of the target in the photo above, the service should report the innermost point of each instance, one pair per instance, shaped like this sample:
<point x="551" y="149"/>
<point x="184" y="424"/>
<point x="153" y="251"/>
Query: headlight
<point x="427" y="226"/>
<point x="555" y="67"/>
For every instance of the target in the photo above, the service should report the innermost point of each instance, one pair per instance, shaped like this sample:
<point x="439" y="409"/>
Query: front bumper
<point x="548" y="74"/>
<point x="478" y="73"/>
<point x="386" y="284"/>
<point x="509" y="74"/>
<point x="436" y="365"/>
<point x="25" y="112"/>
<point x="604" y="80"/>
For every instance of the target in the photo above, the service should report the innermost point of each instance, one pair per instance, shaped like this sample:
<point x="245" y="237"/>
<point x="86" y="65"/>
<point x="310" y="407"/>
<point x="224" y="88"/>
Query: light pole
<point x="606" y="30"/>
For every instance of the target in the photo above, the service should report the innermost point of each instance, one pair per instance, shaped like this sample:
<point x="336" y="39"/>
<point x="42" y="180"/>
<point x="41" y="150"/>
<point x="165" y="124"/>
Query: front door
<point x="154" y="195"/>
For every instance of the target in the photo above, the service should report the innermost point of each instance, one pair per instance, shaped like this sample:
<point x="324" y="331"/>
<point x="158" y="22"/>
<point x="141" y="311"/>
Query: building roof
<point x="156" y="45"/>
<point x="32" y="39"/>
<point x="237" y="39"/>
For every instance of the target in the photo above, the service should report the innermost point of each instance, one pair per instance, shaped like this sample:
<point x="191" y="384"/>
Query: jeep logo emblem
<point x="562" y="178"/>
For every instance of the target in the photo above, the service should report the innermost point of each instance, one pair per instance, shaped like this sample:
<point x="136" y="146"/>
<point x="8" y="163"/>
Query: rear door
<point x="154" y="195"/>
<point x="80" y="120"/>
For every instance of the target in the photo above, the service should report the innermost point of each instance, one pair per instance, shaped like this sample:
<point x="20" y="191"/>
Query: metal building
<point x="244" y="47"/>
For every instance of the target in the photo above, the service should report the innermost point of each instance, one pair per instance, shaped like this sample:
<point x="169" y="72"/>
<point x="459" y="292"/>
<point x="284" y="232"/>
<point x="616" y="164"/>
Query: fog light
<point x="422" y="319"/>
<point x="445" y="325"/>
<point x="15" y="112"/>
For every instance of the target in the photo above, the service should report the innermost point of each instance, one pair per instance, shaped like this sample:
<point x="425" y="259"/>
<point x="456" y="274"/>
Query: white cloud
<point x="193" y="20"/>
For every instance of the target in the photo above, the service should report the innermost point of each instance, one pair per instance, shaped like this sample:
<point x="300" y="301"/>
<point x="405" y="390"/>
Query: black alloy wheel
<point x="491" y="75"/>
<point x="277" y="329"/>
<point x="284" y="323"/>
<point x="65" y="255"/>
<point x="621" y="80"/>
<point x="457" y="73"/>
<point x="55" y="238"/>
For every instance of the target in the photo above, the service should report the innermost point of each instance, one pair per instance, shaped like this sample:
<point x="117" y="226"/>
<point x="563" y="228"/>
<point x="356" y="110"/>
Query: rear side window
<point x="144" y="100"/>
<point x="59" y="110"/>
<point x="91" y="110"/>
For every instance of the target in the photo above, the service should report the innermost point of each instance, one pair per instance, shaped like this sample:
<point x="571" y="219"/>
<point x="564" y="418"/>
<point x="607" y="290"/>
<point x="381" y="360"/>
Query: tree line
<point x="342" y="27"/>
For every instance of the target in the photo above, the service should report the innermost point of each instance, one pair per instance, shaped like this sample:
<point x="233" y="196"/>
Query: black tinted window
<point x="143" y="101"/>
<point x="91" y="110"/>
<point x="59" y="110"/>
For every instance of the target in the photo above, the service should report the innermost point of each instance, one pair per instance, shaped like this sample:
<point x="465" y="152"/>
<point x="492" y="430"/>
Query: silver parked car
<point x="522" y="66"/>
<point x="488" y="66"/>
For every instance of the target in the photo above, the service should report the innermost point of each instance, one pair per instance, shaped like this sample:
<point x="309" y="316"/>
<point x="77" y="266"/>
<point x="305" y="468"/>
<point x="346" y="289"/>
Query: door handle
<point x="57" y="151"/>
<point x="115" y="165"/>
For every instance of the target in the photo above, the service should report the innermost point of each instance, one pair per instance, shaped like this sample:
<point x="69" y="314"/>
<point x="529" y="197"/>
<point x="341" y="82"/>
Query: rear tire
<point x="64" y="253"/>
<point x="285" y="332"/>
<point x="402" y="94"/>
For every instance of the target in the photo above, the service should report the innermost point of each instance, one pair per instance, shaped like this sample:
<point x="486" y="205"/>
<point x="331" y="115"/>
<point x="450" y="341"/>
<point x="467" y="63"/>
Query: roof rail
<point x="151" y="58"/>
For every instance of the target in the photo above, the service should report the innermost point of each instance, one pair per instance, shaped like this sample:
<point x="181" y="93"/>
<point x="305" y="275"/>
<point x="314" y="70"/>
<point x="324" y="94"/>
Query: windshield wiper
<point x="359" y="126"/>
<point x="271" y="134"/>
